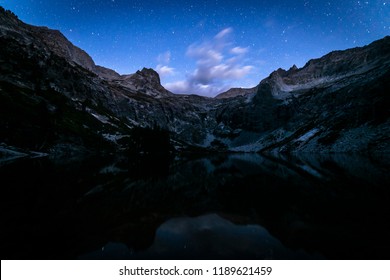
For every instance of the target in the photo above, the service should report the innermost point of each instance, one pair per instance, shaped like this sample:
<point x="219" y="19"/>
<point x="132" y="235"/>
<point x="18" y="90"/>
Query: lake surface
<point x="233" y="206"/>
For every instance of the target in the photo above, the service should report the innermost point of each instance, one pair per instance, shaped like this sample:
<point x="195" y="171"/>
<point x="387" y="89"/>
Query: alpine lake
<point x="223" y="206"/>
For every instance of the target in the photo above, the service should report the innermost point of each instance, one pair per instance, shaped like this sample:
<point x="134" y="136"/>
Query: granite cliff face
<point x="54" y="99"/>
<point x="146" y="81"/>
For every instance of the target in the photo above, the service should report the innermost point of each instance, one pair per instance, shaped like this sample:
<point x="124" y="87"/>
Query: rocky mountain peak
<point x="293" y="68"/>
<point x="151" y="75"/>
<point x="54" y="41"/>
<point x="8" y="16"/>
<point x="145" y="81"/>
<point x="332" y="68"/>
<point x="61" y="46"/>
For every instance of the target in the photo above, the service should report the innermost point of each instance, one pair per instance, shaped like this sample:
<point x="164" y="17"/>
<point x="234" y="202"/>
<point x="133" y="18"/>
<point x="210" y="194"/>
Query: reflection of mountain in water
<point x="205" y="237"/>
<point x="308" y="207"/>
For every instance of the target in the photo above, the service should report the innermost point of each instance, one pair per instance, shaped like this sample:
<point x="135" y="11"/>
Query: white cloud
<point x="178" y="87"/>
<point x="164" y="70"/>
<point x="217" y="65"/>
<point x="205" y="54"/>
<point x="223" y="33"/>
<point x="239" y="50"/>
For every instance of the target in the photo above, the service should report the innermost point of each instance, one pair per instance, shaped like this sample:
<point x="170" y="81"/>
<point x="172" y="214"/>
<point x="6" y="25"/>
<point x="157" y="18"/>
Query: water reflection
<point x="224" y="206"/>
<point x="205" y="237"/>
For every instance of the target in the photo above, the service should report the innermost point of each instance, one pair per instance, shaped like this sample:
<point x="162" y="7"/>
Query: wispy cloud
<point x="223" y="33"/>
<point x="218" y="63"/>
<point x="163" y="60"/>
<point x="239" y="50"/>
<point x="165" y="70"/>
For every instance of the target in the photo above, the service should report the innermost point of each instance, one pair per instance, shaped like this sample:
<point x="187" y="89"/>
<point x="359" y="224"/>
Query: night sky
<point x="206" y="47"/>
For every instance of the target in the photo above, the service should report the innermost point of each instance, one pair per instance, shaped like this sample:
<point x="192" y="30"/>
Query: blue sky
<point x="206" y="47"/>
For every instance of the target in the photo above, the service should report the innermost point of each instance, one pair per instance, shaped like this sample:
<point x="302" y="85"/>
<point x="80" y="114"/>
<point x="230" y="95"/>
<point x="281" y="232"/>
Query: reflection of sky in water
<point x="208" y="236"/>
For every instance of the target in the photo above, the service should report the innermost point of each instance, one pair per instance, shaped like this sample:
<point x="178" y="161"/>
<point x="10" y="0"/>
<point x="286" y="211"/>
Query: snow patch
<point x="308" y="135"/>
<point x="114" y="137"/>
<point x="101" y="118"/>
<point x="132" y="122"/>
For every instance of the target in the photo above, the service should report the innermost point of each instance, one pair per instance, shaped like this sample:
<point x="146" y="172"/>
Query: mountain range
<point x="54" y="99"/>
